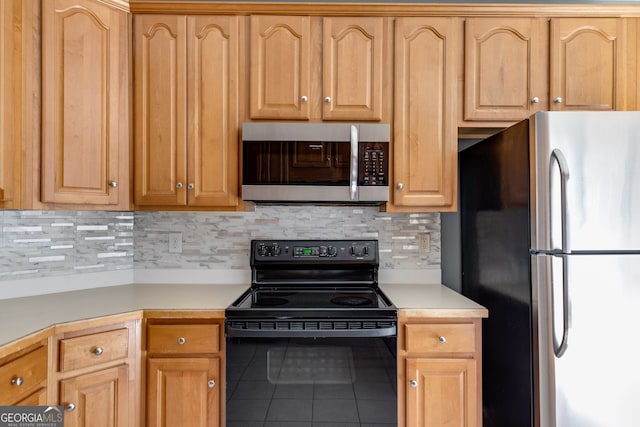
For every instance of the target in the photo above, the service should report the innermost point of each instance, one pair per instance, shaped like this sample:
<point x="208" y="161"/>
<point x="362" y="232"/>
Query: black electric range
<point x="313" y="288"/>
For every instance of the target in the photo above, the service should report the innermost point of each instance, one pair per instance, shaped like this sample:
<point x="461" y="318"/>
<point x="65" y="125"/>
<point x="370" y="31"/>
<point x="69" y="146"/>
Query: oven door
<point x="328" y="381"/>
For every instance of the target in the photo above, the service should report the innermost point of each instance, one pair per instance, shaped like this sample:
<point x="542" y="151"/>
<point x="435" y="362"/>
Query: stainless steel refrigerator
<point x="550" y="244"/>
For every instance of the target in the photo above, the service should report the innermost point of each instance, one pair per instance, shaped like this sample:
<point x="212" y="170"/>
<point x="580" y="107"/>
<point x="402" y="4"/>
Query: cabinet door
<point x="160" y="110"/>
<point x="280" y="67"/>
<point x="212" y="116"/>
<point x="183" y="392"/>
<point x="98" y="398"/>
<point x="588" y="64"/>
<point x="505" y="68"/>
<point x="425" y="139"/>
<point x="441" y="392"/>
<point x="352" y="68"/>
<point x="9" y="105"/>
<point x="85" y="98"/>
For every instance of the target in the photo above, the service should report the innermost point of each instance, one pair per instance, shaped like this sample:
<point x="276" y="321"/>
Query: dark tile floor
<point x="306" y="383"/>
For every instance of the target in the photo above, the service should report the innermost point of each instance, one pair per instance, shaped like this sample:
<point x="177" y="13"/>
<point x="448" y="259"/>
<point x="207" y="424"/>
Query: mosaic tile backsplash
<point x="47" y="243"/>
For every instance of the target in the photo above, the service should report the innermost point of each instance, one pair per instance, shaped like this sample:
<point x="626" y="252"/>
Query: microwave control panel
<point x="373" y="163"/>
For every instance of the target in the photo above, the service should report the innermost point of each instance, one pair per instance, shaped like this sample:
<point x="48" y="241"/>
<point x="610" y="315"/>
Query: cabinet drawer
<point x="22" y="376"/>
<point x="443" y="338"/>
<point x="183" y="338"/>
<point x="88" y="350"/>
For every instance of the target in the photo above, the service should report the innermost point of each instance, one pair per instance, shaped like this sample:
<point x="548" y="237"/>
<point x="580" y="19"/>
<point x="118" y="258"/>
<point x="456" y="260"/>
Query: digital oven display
<point x="302" y="251"/>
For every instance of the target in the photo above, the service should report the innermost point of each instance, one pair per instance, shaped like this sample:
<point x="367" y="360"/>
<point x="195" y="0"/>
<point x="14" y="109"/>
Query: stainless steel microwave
<point x="315" y="162"/>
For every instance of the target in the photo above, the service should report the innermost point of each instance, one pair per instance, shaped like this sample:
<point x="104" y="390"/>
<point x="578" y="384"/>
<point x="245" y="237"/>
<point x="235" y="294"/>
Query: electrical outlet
<point x="175" y="243"/>
<point x="424" y="243"/>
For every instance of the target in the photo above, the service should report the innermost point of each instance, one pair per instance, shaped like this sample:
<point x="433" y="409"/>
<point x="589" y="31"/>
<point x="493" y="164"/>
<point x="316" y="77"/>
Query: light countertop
<point x="26" y="315"/>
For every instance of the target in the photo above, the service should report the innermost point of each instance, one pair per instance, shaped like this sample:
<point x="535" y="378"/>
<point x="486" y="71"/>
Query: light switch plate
<point x="175" y="243"/>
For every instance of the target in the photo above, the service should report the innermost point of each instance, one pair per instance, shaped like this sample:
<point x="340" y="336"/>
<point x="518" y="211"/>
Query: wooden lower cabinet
<point x="23" y="377"/>
<point x="94" y="373"/>
<point x="185" y="365"/>
<point x="439" y="372"/>
<point x="98" y="398"/>
<point x="183" y="392"/>
<point x="441" y="392"/>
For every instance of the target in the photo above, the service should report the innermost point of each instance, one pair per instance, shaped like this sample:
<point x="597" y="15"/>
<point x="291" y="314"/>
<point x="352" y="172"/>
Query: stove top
<point x="302" y="285"/>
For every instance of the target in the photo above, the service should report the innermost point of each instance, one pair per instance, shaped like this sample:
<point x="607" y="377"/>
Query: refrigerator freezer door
<point x="601" y="152"/>
<point x="596" y="381"/>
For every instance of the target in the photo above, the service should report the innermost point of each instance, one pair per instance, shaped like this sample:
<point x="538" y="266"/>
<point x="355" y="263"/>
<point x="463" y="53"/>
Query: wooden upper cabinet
<point x="352" y="65"/>
<point x="85" y="98"/>
<point x="9" y="106"/>
<point x="588" y="64"/>
<point x="425" y="139"/>
<point x="292" y="55"/>
<point x="280" y="67"/>
<point x="160" y="113"/>
<point x="515" y="67"/>
<point x="186" y="92"/>
<point x="505" y="68"/>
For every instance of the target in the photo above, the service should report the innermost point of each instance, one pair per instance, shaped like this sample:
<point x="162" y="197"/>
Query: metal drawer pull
<point x="211" y="384"/>
<point x="98" y="351"/>
<point x="303" y="98"/>
<point x="442" y="339"/>
<point x="327" y="99"/>
<point x="535" y="100"/>
<point x="70" y="407"/>
<point x="413" y="383"/>
<point x="181" y="340"/>
<point x="178" y="185"/>
<point x="17" y="381"/>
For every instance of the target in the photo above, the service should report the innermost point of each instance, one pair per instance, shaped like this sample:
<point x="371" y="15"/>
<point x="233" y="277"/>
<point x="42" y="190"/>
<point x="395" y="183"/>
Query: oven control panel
<point x="308" y="250"/>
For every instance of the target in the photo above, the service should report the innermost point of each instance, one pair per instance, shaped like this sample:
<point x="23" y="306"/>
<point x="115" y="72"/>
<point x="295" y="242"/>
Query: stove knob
<point x="262" y="250"/>
<point x="323" y="251"/>
<point x="276" y="249"/>
<point x="332" y="251"/>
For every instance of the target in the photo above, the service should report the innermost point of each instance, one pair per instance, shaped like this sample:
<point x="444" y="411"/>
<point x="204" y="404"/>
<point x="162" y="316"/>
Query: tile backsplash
<point x="47" y="243"/>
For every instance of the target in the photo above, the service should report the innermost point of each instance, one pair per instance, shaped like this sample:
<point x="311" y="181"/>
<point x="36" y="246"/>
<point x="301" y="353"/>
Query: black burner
<point x="351" y="300"/>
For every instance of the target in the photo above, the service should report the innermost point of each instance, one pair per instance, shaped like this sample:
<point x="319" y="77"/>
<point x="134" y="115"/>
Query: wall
<point x="56" y="243"/>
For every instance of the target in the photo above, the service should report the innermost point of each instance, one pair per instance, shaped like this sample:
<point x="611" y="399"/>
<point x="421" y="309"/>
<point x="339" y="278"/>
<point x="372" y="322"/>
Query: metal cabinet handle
<point x="442" y="339"/>
<point x="211" y="383"/>
<point x="113" y="184"/>
<point x="190" y="186"/>
<point x="98" y="351"/>
<point x="181" y="340"/>
<point x="327" y="99"/>
<point x="557" y="100"/>
<point x="303" y="98"/>
<point x="400" y="186"/>
<point x="17" y="381"/>
<point x="413" y="383"/>
<point x="178" y="185"/>
<point x="535" y="100"/>
<point x="70" y="407"/>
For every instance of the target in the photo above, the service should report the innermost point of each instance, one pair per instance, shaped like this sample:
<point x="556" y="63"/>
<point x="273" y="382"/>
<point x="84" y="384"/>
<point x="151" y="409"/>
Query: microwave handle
<point x="353" y="173"/>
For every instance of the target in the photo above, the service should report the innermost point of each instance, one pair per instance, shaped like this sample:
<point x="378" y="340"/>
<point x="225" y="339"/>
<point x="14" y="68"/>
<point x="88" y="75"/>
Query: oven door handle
<point x="353" y="173"/>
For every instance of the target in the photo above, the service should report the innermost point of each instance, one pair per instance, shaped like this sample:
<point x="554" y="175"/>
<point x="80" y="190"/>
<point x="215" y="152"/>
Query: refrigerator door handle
<point x="558" y="159"/>
<point x="560" y="346"/>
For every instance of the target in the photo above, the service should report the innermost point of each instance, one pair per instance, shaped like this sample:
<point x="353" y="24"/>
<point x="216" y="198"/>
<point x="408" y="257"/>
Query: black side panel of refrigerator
<point x="494" y="215"/>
